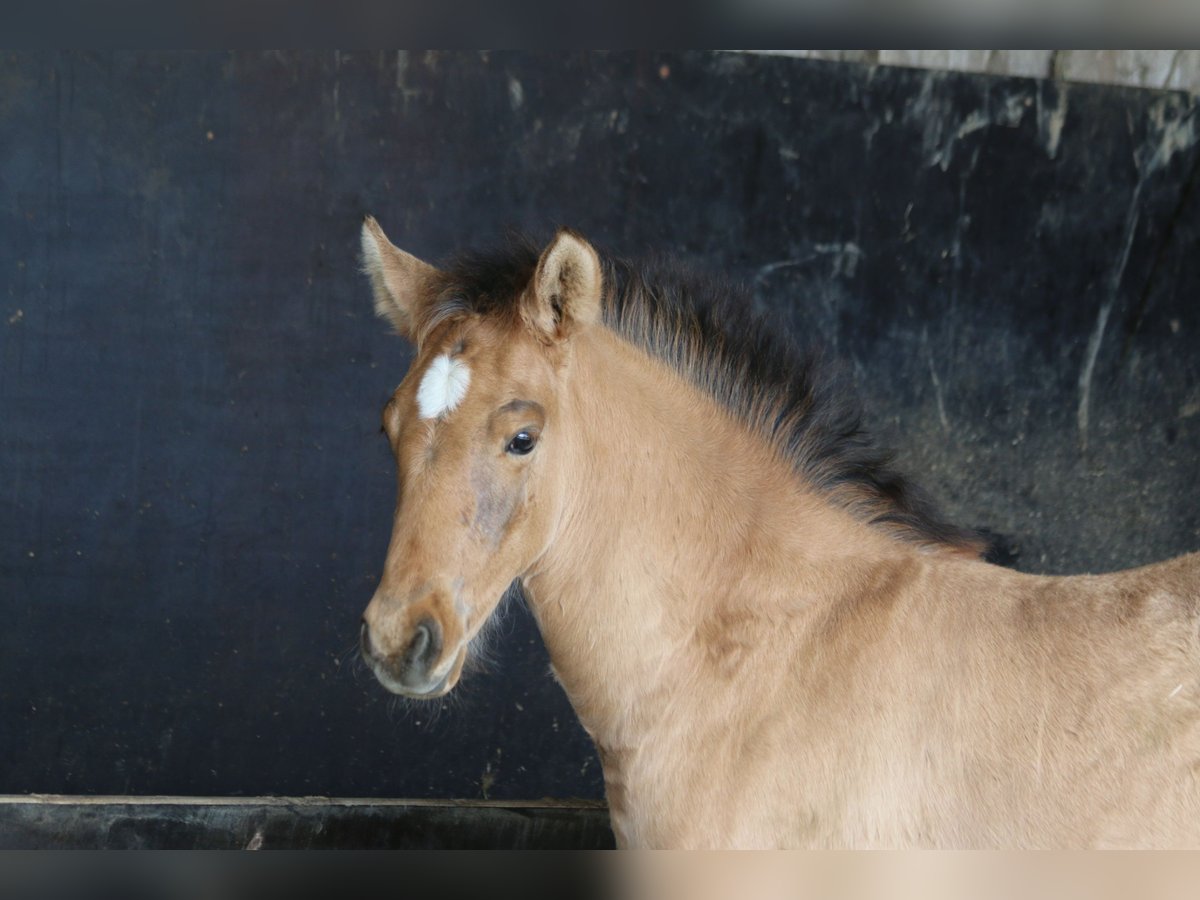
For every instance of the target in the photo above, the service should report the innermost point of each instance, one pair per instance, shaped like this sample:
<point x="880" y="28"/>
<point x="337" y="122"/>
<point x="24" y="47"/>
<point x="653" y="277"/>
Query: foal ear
<point x="400" y="280"/>
<point x="566" y="287"/>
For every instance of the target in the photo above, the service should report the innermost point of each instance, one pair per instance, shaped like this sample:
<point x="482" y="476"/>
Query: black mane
<point x="703" y="327"/>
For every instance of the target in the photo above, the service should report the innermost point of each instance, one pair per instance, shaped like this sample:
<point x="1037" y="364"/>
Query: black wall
<point x="194" y="497"/>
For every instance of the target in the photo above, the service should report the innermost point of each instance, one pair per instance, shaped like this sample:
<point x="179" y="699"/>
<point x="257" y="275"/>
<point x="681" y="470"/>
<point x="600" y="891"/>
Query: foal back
<point x="1049" y="712"/>
<point x="1123" y="678"/>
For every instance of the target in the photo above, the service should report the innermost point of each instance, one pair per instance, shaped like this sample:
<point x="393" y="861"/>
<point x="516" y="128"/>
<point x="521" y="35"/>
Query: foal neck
<point x="677" y="520"/>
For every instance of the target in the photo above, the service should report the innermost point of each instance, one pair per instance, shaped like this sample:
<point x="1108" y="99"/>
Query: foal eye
<point x="521" y="443"/>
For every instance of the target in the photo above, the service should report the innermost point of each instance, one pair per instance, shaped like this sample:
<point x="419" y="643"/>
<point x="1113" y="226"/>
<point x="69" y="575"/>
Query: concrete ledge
<point x="29" y="822"/>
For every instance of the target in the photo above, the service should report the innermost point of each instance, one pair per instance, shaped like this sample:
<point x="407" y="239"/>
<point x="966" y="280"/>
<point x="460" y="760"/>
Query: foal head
<point x="473" y="431"/>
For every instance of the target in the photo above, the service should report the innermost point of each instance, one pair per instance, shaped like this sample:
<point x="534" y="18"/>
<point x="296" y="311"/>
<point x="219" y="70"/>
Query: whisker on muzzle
<point x="350" y="660"/>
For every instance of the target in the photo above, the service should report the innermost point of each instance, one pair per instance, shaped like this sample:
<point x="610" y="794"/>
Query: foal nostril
<point x="424" y="648"/>
<point x="410" y="666"/>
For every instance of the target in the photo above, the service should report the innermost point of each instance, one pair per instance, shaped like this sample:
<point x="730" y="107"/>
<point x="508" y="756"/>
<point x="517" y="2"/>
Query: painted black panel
<point x="195" y="500"/>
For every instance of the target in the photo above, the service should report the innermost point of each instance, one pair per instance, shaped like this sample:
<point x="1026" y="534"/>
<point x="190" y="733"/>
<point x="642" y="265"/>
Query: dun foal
<point x="768" y="634"/>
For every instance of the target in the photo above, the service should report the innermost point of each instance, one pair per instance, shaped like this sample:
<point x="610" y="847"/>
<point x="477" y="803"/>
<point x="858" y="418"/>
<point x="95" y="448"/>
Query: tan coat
<point x="757" y="663"/>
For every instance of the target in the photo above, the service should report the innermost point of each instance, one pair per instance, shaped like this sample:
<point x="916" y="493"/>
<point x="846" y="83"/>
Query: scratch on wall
<point x="1172" y="131"/>
<point x="1097" y="336"/>
<point x="405" y="91"/>
<point x="845" y="257"/>
<point x="936" y="382"/>
<point x="1052" y="115"/>
<point x="933" y="109"/>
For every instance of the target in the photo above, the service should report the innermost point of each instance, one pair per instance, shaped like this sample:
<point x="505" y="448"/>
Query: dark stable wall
<point x="196" y="500"/>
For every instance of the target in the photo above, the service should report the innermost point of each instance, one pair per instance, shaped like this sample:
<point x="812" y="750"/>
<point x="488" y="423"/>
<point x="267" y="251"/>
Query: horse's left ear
<point x="399" y="280"/>
<point x="566" y="288"/>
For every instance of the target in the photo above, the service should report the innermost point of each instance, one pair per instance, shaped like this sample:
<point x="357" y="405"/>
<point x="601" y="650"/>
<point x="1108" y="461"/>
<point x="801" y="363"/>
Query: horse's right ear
<point x="566" y="288"/>
<point x="400" y="280"/>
